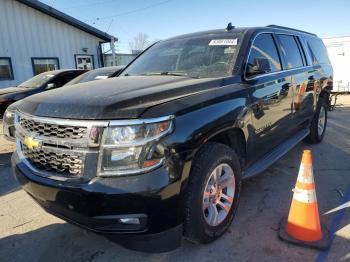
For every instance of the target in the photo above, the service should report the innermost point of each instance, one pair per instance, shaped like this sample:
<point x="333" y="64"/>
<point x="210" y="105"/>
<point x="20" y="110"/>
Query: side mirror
<point x="51" y="86"/>
<point x="260" y="66"/>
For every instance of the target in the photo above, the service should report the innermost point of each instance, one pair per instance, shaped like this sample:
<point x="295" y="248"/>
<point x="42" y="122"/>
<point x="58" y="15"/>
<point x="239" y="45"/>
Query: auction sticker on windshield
<point x="224" y="41"/>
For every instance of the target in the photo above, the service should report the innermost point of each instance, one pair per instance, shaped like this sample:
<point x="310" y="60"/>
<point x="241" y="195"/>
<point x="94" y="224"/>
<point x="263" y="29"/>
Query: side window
<point x="62" y="79"/>
<point x="69" y="76"/>
<point x="318" y="51"/>
<point x="290" y="51"/>
<point x="263" y="57"/>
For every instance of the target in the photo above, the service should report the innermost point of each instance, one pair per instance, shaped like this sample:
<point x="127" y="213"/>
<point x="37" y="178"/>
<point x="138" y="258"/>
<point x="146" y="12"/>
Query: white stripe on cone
<point x="306" y="196"/>
<point x="306" y="179"/>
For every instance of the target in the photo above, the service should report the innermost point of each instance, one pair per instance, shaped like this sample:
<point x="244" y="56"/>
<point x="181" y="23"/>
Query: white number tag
<point x="224" y="41"/>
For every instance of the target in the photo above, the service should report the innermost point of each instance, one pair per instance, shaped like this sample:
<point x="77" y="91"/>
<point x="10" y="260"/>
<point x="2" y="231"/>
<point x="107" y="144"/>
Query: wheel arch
<point x="233" y="138"/>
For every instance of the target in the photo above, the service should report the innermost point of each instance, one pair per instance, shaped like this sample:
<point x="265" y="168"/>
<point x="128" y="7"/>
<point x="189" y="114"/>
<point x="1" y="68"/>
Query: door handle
<point x="285" y="89"/>
<point x="287" y="86"/>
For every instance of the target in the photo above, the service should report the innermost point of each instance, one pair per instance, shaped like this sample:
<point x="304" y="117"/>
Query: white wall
<point x="339" y="53"/>
<point x="26" y="32"/>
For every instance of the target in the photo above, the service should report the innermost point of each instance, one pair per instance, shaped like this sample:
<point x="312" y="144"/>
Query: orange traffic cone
<point x="303" y="225"/>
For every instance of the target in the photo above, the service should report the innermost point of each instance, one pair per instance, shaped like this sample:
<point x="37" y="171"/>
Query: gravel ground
<point x="27" y="233"/>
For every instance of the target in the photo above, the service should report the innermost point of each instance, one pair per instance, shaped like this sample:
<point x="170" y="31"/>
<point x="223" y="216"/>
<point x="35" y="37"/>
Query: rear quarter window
<point x="317" y="50"/>
<point x="290" y="51"/>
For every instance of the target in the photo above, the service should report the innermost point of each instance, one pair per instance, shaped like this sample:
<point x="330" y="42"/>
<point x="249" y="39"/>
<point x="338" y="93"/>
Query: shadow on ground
<point x="8" y="183"/>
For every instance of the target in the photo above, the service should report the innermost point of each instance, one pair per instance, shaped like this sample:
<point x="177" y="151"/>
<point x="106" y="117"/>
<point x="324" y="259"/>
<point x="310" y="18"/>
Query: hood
<point x="115" y="98"/>
<point x="11" y="90"/>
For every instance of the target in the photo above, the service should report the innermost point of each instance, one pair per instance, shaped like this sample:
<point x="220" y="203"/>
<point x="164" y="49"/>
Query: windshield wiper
<point x="169" y="73"/>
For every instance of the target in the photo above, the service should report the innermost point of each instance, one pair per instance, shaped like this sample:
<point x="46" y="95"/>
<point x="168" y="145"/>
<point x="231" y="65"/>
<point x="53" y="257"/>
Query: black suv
<point x="161" y="151"/>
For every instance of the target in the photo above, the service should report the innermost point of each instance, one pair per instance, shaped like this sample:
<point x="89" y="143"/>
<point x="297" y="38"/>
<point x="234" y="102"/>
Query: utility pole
<point x="113" y="50"/>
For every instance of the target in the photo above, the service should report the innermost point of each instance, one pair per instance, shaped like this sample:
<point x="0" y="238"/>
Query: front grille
<point x="56" y="148"/>
<point x="62" y="163"/>
<point x="52" y="130"/>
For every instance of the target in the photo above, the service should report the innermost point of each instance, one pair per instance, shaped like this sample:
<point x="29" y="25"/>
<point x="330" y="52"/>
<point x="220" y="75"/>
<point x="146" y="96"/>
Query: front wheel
<point x="213" y="193"/>
<point x="318" y="124"/>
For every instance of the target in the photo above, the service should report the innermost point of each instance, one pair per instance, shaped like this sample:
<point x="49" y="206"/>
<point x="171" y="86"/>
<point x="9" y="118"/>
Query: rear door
<point x="271" y="98"/>
<point x="301" y="79"/>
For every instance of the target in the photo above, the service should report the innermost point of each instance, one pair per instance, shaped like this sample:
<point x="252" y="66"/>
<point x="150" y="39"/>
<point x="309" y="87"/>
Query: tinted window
<point x="65" y="78"/>
<point x="290" y="51"/>
<point x="318" y="51"/>
<point x="264" y="47"/>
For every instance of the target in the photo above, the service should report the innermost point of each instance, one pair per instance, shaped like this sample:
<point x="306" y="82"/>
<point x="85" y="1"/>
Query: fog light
<point x="130" y="221"/>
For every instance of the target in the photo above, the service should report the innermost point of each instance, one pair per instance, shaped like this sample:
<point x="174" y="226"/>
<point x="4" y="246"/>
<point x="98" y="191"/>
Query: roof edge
<point x="48" y="10"/>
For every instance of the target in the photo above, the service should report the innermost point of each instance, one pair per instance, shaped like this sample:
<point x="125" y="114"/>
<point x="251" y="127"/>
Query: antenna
<point x="229" y="27"/>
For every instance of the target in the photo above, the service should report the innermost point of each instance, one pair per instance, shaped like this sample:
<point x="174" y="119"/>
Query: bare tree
<point x="140" y="42"/>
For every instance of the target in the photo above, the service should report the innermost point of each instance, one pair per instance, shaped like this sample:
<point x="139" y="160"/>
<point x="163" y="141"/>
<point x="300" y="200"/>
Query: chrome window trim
<point x="273" y="73"/>
<point x="279" y="72"/>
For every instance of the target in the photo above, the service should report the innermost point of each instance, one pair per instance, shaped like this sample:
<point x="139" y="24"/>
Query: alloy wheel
<point x="219" y="194"/>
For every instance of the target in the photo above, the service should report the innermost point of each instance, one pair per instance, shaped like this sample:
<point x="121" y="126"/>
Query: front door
<point x="271" y="98"/>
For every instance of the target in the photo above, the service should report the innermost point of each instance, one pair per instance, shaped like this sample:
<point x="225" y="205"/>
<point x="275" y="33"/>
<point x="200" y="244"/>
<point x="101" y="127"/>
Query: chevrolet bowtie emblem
<point x="31" y="143"/>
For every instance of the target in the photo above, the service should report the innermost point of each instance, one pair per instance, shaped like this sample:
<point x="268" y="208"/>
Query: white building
<point x="35" y="37"/>
<point x="339" y="53"/>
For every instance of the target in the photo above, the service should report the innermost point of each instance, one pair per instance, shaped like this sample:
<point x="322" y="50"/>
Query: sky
<point x="161" y="19"/>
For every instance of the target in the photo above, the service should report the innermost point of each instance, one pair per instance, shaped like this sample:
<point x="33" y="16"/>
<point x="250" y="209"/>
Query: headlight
<point x="9" y="116"/>
<point x="132" y="148"/>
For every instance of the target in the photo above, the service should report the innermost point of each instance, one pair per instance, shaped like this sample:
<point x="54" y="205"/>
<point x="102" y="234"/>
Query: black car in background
<point x="37" y="84"/>
<point x="97" y="74"/>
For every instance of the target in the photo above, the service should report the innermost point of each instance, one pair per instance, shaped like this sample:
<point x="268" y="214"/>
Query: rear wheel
<point x="318" y="124"/>
<point x="213" y="194"/>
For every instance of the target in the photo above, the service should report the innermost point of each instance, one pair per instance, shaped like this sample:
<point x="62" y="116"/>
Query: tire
<point x="316" y="136"/>
<point x="210" y="157"/>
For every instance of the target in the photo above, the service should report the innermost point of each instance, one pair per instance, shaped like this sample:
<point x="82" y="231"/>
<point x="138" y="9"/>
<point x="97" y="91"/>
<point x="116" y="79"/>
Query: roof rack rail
<point x="288" y="28"/>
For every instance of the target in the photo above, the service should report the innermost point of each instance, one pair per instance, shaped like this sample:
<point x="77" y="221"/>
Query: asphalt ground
<point x="27" y="233"/>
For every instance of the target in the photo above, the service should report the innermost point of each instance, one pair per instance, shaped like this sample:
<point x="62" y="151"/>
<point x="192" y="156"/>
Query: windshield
<point x="38" y="80"/>
<point x="92" y="75"/>
<point x="200" y="57"/>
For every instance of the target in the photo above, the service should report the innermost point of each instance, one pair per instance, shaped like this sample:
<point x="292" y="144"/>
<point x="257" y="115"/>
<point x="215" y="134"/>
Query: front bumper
<point x="101" y="204"/>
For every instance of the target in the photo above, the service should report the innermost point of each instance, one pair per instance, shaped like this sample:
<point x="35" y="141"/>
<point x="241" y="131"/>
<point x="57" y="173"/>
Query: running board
<point x="262" y="164"/>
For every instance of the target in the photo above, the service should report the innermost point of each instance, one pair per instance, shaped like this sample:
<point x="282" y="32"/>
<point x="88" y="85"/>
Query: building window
<point x="85" y="62"/>
<point x="6" y="72"/>
<point x="43" y="64"/>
